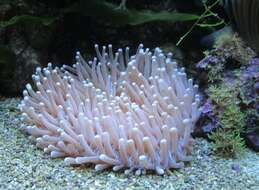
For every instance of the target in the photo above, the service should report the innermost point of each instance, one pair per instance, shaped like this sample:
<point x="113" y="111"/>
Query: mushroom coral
<point x="126" y="112"/>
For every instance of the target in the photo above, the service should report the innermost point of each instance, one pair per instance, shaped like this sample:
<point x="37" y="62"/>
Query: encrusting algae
<point x="134" y="113"/>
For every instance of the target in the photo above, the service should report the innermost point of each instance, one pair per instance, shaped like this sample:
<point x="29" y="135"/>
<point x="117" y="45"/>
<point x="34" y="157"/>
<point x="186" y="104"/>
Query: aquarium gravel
<point x="23" y="166"/>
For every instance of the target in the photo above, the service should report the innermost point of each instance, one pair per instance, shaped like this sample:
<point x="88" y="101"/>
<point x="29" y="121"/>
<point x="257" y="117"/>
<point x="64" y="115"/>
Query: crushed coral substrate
<point x="23" y="166"/>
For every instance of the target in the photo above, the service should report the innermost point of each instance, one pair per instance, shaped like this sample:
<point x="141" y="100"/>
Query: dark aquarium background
<point x="33" y="33"/>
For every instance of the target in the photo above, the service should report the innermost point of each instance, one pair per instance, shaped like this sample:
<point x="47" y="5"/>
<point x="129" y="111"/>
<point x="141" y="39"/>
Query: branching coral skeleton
<point x="134" y="113"/>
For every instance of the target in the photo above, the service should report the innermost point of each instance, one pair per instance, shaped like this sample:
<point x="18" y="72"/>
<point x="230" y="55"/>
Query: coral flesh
<point x="134" y="113"/>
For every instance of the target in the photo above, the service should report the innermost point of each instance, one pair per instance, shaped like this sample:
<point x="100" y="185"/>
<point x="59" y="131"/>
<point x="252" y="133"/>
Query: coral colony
<point x="134" y="113"/>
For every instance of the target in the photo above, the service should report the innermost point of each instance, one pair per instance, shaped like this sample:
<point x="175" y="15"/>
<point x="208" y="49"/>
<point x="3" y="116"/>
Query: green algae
<point x="227" y="140"/>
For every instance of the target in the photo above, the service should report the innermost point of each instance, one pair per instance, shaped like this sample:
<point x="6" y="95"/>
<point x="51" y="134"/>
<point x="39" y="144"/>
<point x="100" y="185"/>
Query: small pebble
<point x="236" y="167"/>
